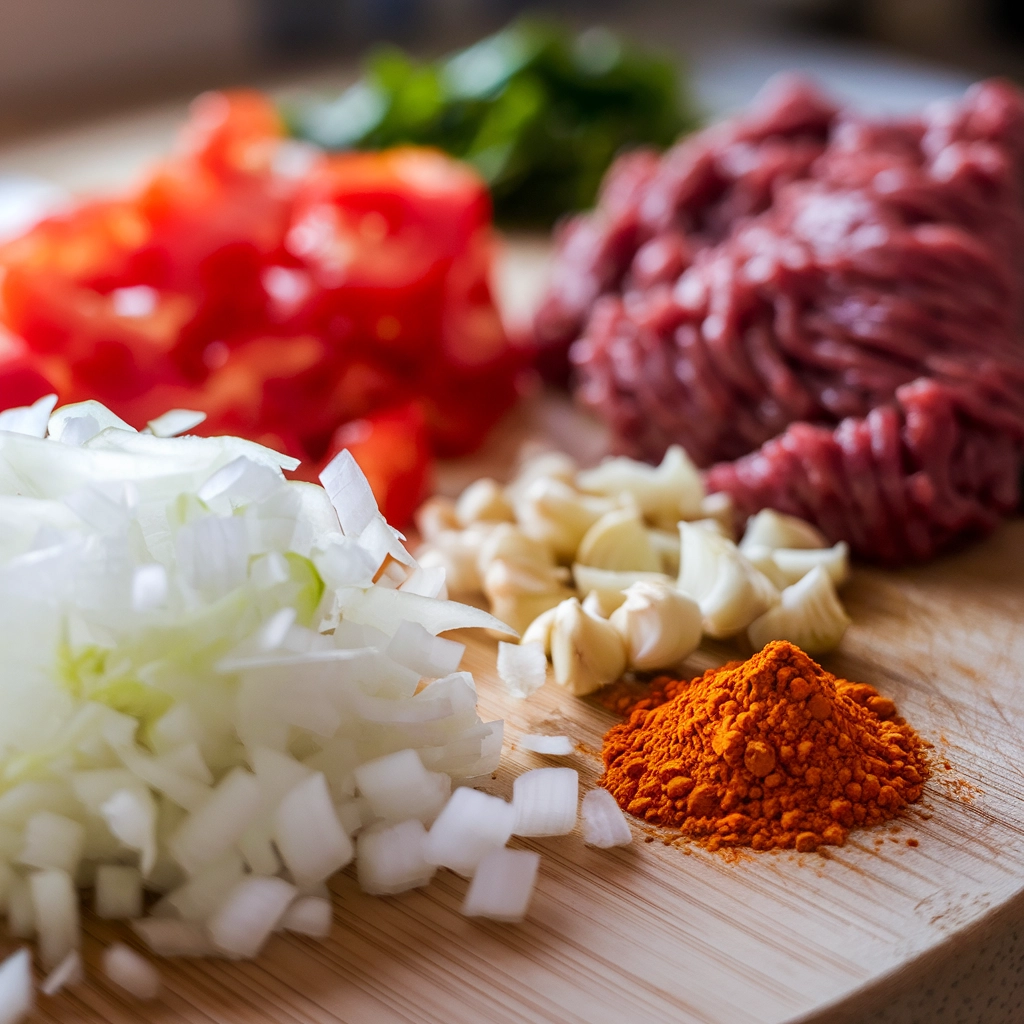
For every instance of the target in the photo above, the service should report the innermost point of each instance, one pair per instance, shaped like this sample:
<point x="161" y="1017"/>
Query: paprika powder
<point x="771" y="753"/>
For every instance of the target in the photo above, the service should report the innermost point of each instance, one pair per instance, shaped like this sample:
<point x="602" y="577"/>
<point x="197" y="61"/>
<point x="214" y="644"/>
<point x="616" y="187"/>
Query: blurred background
<point x="65" y="60"/>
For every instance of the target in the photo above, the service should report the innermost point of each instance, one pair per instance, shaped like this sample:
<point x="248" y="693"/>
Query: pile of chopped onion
<point x="221" y="687"/>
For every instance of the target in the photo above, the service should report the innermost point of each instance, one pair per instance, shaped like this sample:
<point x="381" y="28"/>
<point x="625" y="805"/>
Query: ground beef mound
<point x="826" y="310"/>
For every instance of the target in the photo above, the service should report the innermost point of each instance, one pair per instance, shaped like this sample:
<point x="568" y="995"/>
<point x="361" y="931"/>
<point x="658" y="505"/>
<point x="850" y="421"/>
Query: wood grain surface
<point x="876" y="930"/>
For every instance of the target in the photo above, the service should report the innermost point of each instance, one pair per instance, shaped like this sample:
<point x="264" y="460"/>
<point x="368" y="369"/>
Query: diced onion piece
<point x="98" y="413"/>
<point x="167" y="936"/>
<point x="53" y="841"/>
<point x="29" y="419"/>
<point x="391" y="859"/>
<point x="604" y="824"/>
<point x="503" y="885"/>
<point x="216" y="825"/>
<point x="552" y="746"/>
<point x="522" y="667"/>
<point x="175" y="422"/>
<point x="309" y="915"/>
<point x="213" y="554"/>
<point x="249" y="915"/>
<point x="545" y="801"/>
<point x="55" y="903"/>
<point x="471" y="825"/>
<point x="17" y="991"/>
<point x="67" y="973"/>
<point x="427" y="581"/>
<point x="429" y="655"/>
<point x="204" y="892"/>
<point x="308" y="835"/>
<point x="130" y="815"/>
<point x="21" y="913"/>
<point x="149" y="587"/>
<point x="350" y="493"/>
<point x="118" y="892"/>
<point x="131" y="972"/>
<point x="241" y="482"/>
<point x="398" y="786"/>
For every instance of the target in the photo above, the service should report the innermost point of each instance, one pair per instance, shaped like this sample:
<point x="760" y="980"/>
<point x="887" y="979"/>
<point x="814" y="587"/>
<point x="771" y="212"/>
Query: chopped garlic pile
<point x="220" y="687"/>
<point x="627" y="566"/>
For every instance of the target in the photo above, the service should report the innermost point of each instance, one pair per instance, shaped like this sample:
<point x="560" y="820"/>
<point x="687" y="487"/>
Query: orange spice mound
<point x="771" y="753"/>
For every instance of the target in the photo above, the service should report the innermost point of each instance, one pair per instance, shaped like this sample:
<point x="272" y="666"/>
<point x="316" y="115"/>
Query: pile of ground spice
<point x="771" y="753"/>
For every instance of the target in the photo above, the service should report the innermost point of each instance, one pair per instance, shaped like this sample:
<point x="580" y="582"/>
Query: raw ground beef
<point x="825" y="310"/>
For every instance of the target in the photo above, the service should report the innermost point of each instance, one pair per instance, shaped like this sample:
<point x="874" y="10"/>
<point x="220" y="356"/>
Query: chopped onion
<point x="471" y="825"/>
<point x="429" y="655"/>
<point x="29" y="419"/>
<point x="249" y="914"/>
<point x="176" y="421"/>
<point x="604" y="824"/>
<point x="397" y="786"/>
<point x="118" y="892"/>
<point x="309" y="915"/>
<point x="17" y="993"/>
<point x="553" y="746"/>
<point x="390" y="859"/>
<point x="134" y="973"/>
<point x="544" y="801"/>
<point x="522" y="667"/>
<point x="130" y="815"/>
<point x="67" y="973"/>
<point x="503" y="885"/>
<point x="56" y="913"/>
<point x="308" y="835"/>
<point x="204" y="892"/>
<point x="350" y="494"/>
<point x="21" y="913"/>
<point x="53" y="841"/>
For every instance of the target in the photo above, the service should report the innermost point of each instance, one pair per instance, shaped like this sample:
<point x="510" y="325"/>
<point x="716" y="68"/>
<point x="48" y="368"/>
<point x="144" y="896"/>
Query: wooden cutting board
<point x="878" y="930"/>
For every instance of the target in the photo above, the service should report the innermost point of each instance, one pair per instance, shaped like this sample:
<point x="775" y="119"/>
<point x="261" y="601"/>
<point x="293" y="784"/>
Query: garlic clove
<point x="720" y="507"/>
<point x="436" y="515"/>
<point x="603" y="602"/>
<point x="761" y="558"/>
<point x="553" y="513"/>
<point x="777" y="530"/>
<point x="508" y="542"/>
<point x="586" y="652"/>
<point x="663" y="493"/>
<point x="793" y="564"/>
<point x="809" y="615"/>
<point x="519" y="592"/>
<point x="587" y="578"/>
<point x="543" y="466"/>
<point x="659" y="625"/>
<point x="484" y="501"/>
<point x="457" y="552"/>
<point x="666" y="545"/>
<point x="619" y="541"/>
<point x="539" y="631"/>
<point x="730" y="591"/>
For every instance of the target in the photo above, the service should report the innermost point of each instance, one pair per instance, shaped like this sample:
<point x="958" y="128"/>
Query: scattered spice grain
<point x="772" y="753"/>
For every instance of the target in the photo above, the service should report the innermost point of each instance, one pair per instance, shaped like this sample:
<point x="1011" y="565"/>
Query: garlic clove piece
<point x="586" y="652"/>
<point x="603" y="602"/>
<point x="720" y="507"/>
<point x="555" y="514"/>
<point x="547" y="465"/>
<point x="809" y="615"/>
<point x="730" y="591"/>
<point x="539" y="631"/>
<point x="666" y="544"/>
<point x="778" y="530"/>
<point x="663" y="493"/>
<point x="793" y="564"/>
<point x="618" y="541"/>
<point x="659" y="625"/>
<point x="436" y="515"/>
<point x="587" y="578"/>
<point x="508" y="542"/>
<point x="457" y="552"/>
<point x="520" y="591"/>
<point x="484" y="501"/>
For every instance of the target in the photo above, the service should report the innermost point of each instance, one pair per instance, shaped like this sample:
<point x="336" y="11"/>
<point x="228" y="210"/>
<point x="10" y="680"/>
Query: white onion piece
<point x="471" y="825"/>
<point x="204" y="892"/>
<point x="175" y="422"/>
<point x="249" y="914"/>
<point x="91" y="409"/>
<point x="544" y="801"/>
<point x="604" y="824"/>
<point x="149" y="587"/>
<point x="17" y="990"/>
<point x="309" y="836"/>
<point x="217" y="824"/>
<point x="55" y="902"/>
<point x="118" y="892"/>
<point x="309" y="915"/>
<point x="187" y="760"/>
<point x="388" y="609"/>
<point x="427" y="581"/>
<point x="350" y="493"/>
<point x="6" y="881"/>
<point x="212" y="554"/>
<point x="53" y="841"/>
<point x="240" y="482"/>
<point x="503" y="885"/>
<point x="29" y="419"/>
<point x="21" y="912"/>
<point x="429" y="655"/>
<point x="67" y="973"/>
<point x="397" y="787"/>
<point x="130" y="815"/>
<point x="344" y="562"/>
<point x="134" y="973"/>
<point x="552" y="746"/>
<point x="391" y="859"/>
<point x="522" y="667"/>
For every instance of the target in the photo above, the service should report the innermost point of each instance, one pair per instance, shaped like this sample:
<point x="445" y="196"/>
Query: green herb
<point x="540" y="113"/>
